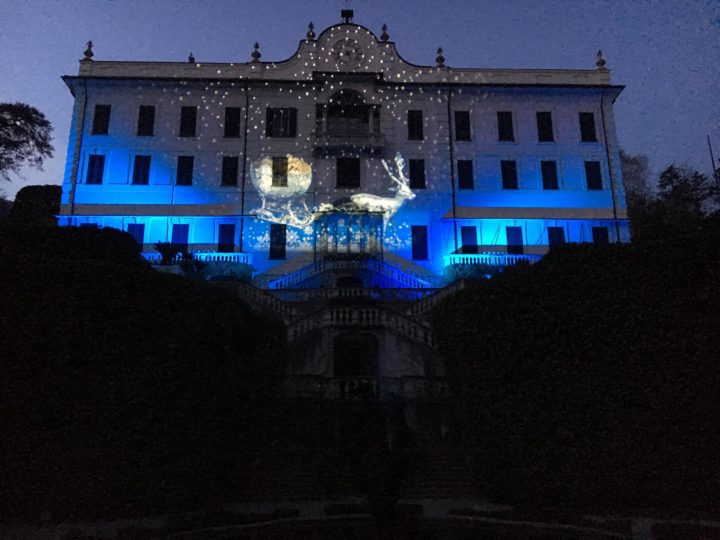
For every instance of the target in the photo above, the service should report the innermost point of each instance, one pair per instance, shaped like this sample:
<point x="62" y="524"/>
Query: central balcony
<point x="334" y="143"/>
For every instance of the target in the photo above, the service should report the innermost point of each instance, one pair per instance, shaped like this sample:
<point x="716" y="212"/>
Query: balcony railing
<point x="328" y="143"/>
<point x="491" y="259"/>
<point x="205" y="256"/>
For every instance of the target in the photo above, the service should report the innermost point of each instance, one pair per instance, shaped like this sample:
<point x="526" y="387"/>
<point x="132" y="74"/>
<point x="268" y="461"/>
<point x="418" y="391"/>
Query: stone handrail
<point x="207" y="256"/>
<point x="358" y="317"/>
<point x="423" y="306"/>
<point x="393" y="272"/>
<point x="388" y="295"/>
<point x="491" y="259"/>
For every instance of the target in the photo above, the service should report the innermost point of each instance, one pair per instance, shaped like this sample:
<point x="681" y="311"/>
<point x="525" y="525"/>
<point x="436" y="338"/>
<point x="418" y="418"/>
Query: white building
<point x="241" y="156"/>
<point x="280" y="164"/>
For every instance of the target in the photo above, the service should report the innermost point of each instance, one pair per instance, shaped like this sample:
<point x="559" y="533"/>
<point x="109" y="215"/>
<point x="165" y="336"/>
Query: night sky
<point x="666" y="52"/>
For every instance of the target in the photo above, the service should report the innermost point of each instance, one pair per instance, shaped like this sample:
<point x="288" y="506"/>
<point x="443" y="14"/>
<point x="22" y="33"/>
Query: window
<point x="101" y="120"/>
<point x="600" y="235"/>
<point x="462" y="125"/>
<point x="514" y="238"/>
<point x="509" y="174"/>
<point x="505" y="126"/>
<point x="468" y="236"/>
<point x="229" y="170"/>
<point x="96" y="166"/>
<point x="180" y="235"/>
<point x="188" y="121"/>
<point x="545" y="127"/>
<point x="184" y="175"/>
<point x="549" y="174"/>
<point x="593" y="176"/>
<point x="556" y="236"/>
<point x="277" y="241"/>
<point x="232" y="122"/>
<point x="141" y="170"/>
<point x="465" y="174"/>
<point x="281" y="122"/>
<point x="146" y="121"/>
<point x="419" y="243"/>
<point x="226" y="237"/>
<point x="137" y="231"/>
<point x="279" y="171"/>
<point x="415" y="125"/>
<point x="587" y="127"/>
<point x="417" y="173"/>
<point x="348" y="172"/>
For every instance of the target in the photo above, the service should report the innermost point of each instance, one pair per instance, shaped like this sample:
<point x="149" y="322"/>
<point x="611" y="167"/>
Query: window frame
<point x="542" y="175"/>
<point x="471" y="186"/>
<point x="411" y="134"/>
<point x="513" y="138"/>
<point x="413" y="184"/>
<point x="134" y="169"/>
<point x="600" y="185"/>
<point x="140" y="109"/>
<point x="469" y="126"/>
<point x="423" y="253"/>
<point x="188" y="181"/>
<point x="502" y="175"/>
<point x="223" y="161"/>
<point x="514" y="248"/>
<point x="551" y="124"/>
<point x="96" y="124"/>
<point x="185" y="123"/>
<point x="594" y="138"/>
<point x="271" y="123"/>
<point x="90" y="157"/>
<point x="226" y="132"/>
<point x="280" y="171"/>
<point x="275" y="249"/>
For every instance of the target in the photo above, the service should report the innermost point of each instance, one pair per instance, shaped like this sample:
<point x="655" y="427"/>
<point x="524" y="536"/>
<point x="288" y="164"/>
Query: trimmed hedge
<point x="124" y="391"/>
<point x="590" y="379"/>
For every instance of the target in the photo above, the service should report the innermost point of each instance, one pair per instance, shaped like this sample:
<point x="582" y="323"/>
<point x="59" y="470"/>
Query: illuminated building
<point x="280" y="164"/>
<point x="237" y="156"/>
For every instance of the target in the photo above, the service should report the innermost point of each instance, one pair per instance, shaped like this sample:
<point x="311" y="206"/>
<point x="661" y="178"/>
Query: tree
<point x="36" y="205"/>
<point x="25" y="136"/>
<point x="635" y="176"/>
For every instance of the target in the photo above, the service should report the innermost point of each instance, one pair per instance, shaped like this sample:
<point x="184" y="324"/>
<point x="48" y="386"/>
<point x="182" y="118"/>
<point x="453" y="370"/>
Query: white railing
<point x="205" y="256"/>
<point x="491" y="259"/>
<point x="388" y="270"/>
<point x="382" y="295"/>
<point x="423" y="306"/>
<point x="361" y="316"/>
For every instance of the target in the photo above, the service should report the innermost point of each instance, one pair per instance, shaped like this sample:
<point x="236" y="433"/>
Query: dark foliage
<point x="25" y="136"/>
<point x="455" y="272"/>
<point x="590" y="379"/>
<point x="36" y="206"/>
<point x="54" y="244"/>
<point x="685" y="198"/>
<point x="124" y="391"/>
<point x="168" y="251"/>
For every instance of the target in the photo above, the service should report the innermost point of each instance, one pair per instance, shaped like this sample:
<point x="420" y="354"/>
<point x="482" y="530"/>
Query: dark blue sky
<point x="666" y="52"/>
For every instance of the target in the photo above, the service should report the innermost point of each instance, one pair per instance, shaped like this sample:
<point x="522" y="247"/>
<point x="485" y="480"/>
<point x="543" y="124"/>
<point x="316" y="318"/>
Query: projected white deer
<point x="387" y="205"/>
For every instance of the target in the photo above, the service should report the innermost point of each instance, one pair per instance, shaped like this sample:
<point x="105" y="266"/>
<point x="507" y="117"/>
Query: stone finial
<point x="440" y="59"/>
<point x="256" y="52"/>
<point x="600" y="62"/>
<point x="384" y="36"/>
<point x="311" y="31"/>
<point x="191" y="58"/>
<point x="88" y="52"/>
